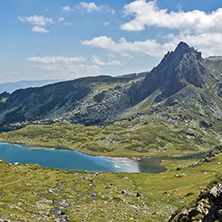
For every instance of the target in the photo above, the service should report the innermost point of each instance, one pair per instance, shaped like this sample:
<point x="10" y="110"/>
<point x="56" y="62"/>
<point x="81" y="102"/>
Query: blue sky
<point x="66" y="39"/>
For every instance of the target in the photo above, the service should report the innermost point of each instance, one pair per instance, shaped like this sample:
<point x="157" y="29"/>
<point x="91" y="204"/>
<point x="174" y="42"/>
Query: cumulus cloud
<point x="148" y="14"/>
<point x="36" y="20"/>
<point x="97" y="61"/>
<point x="56" y="59"/>
<point x="67" y="9"/>
<point x="198" y="28"/>
<point x="208" y="43"/>
<point x="149" y="46"/>
<point x="39" y="29"/>
<point x="89" y="7"/>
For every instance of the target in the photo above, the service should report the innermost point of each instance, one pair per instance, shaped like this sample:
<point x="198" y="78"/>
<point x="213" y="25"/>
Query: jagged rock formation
<point x="208" y="207"/>
<point x="184" y="65"/>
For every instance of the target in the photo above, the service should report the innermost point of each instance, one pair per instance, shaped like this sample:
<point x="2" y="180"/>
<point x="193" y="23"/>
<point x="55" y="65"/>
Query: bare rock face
<point x="208" y="207"/>
<point x="4" y="96"/>
<point x="172" y="74"/>
<point x="215" y="200"/>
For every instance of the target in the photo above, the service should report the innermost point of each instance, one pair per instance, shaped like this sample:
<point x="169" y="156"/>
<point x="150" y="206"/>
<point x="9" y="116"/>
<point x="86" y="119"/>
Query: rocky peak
<point x="175" y="71"/>
<point x="183" y="48"/>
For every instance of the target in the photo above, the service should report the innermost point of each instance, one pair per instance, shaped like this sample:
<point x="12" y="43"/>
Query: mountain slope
<point x="74" y="101"/>
<point x="183" y="87"/>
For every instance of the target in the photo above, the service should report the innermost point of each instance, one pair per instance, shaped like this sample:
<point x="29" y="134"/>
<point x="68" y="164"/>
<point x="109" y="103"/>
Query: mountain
<point x="85" y="100"/>
<point x="12" y="86"/>
<point x="184" y="86"/>
<point x="177" y="69"/>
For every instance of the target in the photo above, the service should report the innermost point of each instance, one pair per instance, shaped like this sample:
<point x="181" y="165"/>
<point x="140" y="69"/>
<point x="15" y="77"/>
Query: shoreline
<point x="129" y="156"/>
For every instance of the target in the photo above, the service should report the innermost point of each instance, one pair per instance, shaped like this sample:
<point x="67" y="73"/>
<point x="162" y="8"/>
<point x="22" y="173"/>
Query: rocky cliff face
<point x="208" y="207"/>
<point x="184" y="65"/>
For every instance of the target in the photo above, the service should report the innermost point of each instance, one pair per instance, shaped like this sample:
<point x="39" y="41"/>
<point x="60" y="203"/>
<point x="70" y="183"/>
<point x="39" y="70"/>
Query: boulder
<point x="206" y="124"/>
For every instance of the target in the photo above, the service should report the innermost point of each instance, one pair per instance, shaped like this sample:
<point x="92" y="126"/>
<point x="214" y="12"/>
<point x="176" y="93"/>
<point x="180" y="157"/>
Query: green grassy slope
<point x="35" y="193"/>
<point x="139" y="137"/>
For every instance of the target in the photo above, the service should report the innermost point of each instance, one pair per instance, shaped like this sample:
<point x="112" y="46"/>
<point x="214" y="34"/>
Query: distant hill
<point x="12" y="86"/>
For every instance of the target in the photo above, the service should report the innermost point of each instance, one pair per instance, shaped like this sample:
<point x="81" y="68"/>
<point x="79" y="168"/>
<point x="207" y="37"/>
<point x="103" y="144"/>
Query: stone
<point x="139" y="195"/>
<point x="215" y="194"/>
<point x="206" y="124"/>
<point x="194" y="211"/>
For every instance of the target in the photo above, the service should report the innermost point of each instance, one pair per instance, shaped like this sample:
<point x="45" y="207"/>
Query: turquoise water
<point x="69" y="159"/>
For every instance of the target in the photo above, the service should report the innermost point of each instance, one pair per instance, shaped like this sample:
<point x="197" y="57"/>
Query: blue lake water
<point x="74" y="160"/>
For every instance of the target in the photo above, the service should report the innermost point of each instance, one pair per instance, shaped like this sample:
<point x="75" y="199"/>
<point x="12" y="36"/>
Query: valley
<point x="173" y="110"/>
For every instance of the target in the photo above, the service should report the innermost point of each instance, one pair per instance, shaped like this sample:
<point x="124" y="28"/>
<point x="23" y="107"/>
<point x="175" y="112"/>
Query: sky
<point x="68" y="39"/>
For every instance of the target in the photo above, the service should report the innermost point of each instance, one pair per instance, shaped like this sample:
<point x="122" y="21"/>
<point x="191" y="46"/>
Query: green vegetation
<point x="139" y="137"/>
<point x="35" y="193"/>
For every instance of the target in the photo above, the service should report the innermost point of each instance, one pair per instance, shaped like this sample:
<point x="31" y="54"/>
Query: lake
<point x="74" y="160"/>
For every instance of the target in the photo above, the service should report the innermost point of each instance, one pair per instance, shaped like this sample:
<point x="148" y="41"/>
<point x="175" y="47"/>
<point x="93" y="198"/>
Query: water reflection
<point x="68" y="159"/>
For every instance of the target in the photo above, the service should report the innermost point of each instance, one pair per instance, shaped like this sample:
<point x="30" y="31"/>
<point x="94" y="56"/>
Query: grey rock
<point x="206" y="124"/>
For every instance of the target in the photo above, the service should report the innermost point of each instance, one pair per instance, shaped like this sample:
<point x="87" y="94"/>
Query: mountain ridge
<point x="182" y="75"/>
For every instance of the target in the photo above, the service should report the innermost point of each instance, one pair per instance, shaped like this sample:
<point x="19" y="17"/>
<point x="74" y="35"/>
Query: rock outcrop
<point x="208" y="207"/>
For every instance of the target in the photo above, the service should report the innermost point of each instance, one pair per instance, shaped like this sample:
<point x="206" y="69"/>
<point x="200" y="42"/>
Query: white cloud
<point x="90" y="6"/>
<point x="101" y="41"/>
<point x="39" y="29"/>
<point x="148" y="14"/>
<point x="36" y="20"/>
<point x="67" y="9"/>
<point x="61" y="19"/>
<point x="197" y="28"/>
<point x="69" y="71"/>
<point x="93" y="7"/>
<point x="208" y="43"/>
<point x="123" y="47"/>
<point x="56" y="59"/>
<point x="97" y="61"/>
